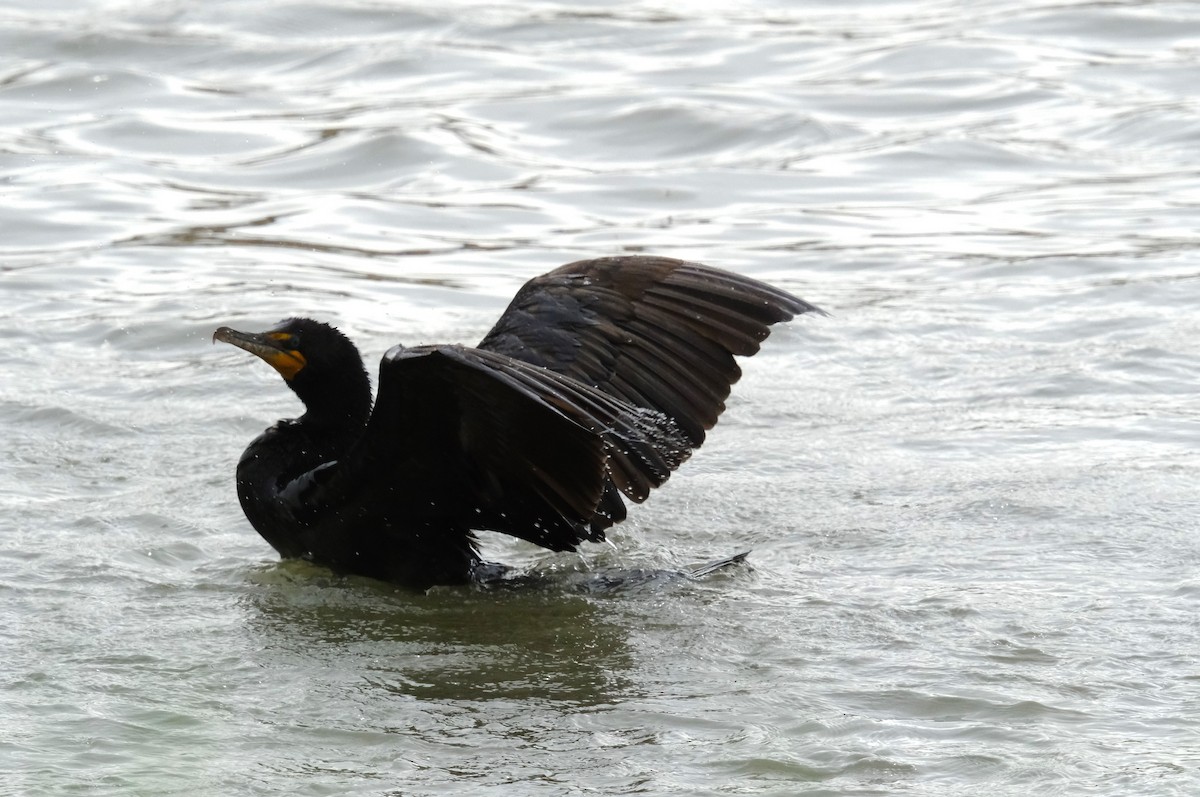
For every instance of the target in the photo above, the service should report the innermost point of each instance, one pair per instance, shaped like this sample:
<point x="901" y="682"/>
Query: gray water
<point x="970" y="492"/>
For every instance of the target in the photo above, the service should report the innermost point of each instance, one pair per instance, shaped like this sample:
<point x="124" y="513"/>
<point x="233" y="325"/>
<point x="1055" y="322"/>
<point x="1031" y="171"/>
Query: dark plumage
<point x="596" y="383"/>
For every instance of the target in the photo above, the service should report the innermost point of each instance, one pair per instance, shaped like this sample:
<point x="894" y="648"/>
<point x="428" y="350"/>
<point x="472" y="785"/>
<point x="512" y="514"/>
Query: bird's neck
<point x="341" y="406"/>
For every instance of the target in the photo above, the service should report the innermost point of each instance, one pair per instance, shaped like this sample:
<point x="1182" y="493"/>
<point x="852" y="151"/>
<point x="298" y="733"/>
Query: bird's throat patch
<point x="287" y="362"/>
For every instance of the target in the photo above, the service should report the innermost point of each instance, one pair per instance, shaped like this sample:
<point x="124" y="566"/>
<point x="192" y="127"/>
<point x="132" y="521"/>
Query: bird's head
<point x="317" y="361"/>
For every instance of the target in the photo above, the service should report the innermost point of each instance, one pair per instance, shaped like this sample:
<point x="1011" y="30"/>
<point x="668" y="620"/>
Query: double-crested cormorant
<point x="597" y="382"/>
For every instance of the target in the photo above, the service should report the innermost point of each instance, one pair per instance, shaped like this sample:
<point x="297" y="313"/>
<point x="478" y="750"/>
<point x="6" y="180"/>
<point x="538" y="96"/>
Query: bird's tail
<point x="712" y="567"/>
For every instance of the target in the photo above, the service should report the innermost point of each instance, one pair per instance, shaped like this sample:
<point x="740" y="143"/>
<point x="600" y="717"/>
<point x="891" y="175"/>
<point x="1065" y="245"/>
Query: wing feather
<point x="614" y="322"/>
<point x="654" y="332"/>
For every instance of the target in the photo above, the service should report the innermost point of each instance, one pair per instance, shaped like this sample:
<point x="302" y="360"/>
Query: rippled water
<point x="970" y="492"/>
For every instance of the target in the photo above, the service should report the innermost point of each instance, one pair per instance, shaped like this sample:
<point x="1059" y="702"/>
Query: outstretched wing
<point x="653" y="331"/>
<point x="475" y="439"/>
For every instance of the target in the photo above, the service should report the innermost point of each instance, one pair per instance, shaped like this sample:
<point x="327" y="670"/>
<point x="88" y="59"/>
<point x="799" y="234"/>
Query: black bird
<point x="596" y="383"/>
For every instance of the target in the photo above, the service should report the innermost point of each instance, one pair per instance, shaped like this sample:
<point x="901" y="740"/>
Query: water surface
<point x="970" y="492"/>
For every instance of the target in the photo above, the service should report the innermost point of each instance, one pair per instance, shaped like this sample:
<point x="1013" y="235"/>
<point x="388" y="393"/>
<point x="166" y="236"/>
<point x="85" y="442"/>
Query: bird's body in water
<point x="596" y="383"/>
